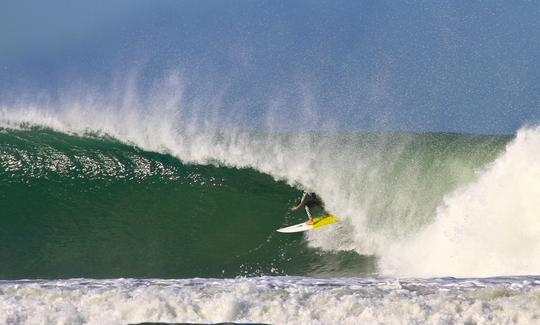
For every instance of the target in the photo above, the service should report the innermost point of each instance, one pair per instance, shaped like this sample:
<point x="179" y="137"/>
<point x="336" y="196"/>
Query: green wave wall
<point x="93" y="207"/>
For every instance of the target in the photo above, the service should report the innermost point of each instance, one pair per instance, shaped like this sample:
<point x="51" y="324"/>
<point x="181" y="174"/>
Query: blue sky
<point x="461" y="66"/>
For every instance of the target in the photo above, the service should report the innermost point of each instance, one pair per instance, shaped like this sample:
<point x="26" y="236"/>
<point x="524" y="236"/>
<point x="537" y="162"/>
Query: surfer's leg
<point x="308" y="212"/>
<point x="310" y="221"/>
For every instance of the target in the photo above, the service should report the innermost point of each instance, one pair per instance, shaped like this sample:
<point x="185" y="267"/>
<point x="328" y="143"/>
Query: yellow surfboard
<point x="304" y="226"/>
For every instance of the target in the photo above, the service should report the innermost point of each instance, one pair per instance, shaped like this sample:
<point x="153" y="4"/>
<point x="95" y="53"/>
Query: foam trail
<point x="489" y="227"/>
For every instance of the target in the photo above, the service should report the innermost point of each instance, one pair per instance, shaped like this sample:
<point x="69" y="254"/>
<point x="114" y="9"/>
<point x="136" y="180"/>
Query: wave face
<point x="94" y="207"/>
<point x="82" y="200"/>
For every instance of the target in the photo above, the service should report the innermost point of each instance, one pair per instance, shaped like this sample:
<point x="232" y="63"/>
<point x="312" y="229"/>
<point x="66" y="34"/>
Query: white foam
<point x="276" y="300"/>
<point x="490" y="227"/>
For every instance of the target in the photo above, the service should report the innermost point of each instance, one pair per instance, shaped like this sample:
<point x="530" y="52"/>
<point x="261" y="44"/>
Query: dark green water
<point x="93" y="207"/>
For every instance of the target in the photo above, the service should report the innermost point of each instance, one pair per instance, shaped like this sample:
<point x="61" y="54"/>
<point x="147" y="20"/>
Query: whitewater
<point x="275" y="300"/>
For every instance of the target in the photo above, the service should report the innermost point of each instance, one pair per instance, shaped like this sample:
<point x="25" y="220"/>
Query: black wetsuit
<point x="310" y="200"/>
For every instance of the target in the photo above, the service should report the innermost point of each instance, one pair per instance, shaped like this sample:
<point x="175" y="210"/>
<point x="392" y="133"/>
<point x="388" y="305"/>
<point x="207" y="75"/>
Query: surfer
<point x="309" y="200"/>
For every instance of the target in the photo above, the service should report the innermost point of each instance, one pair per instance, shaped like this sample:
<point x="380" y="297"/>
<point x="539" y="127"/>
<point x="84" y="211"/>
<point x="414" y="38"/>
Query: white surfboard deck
<point x="317" y="223"/>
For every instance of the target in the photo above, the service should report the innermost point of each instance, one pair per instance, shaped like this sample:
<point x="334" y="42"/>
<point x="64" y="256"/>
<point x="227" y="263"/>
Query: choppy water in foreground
<point x="276" y="300"/>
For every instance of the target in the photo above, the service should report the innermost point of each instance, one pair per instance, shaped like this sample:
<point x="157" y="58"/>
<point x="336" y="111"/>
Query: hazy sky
<point x="464" y="66"/>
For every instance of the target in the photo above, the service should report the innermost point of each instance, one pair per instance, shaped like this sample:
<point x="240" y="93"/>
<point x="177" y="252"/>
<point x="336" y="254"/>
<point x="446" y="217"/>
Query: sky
<point x="450" y="66"/>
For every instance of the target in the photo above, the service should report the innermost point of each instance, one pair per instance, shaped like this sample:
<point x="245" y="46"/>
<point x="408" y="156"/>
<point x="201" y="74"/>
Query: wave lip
<point x="276" y="300"/>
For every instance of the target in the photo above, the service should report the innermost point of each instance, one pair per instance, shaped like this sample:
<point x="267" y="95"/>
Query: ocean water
<point x="114" y="218"/>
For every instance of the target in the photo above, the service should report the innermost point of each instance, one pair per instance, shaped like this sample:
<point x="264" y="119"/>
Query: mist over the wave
<point x="364" y="65"/>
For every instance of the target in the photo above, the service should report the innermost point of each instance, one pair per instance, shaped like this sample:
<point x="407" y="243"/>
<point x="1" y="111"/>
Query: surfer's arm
<point x="301" y="203"/>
